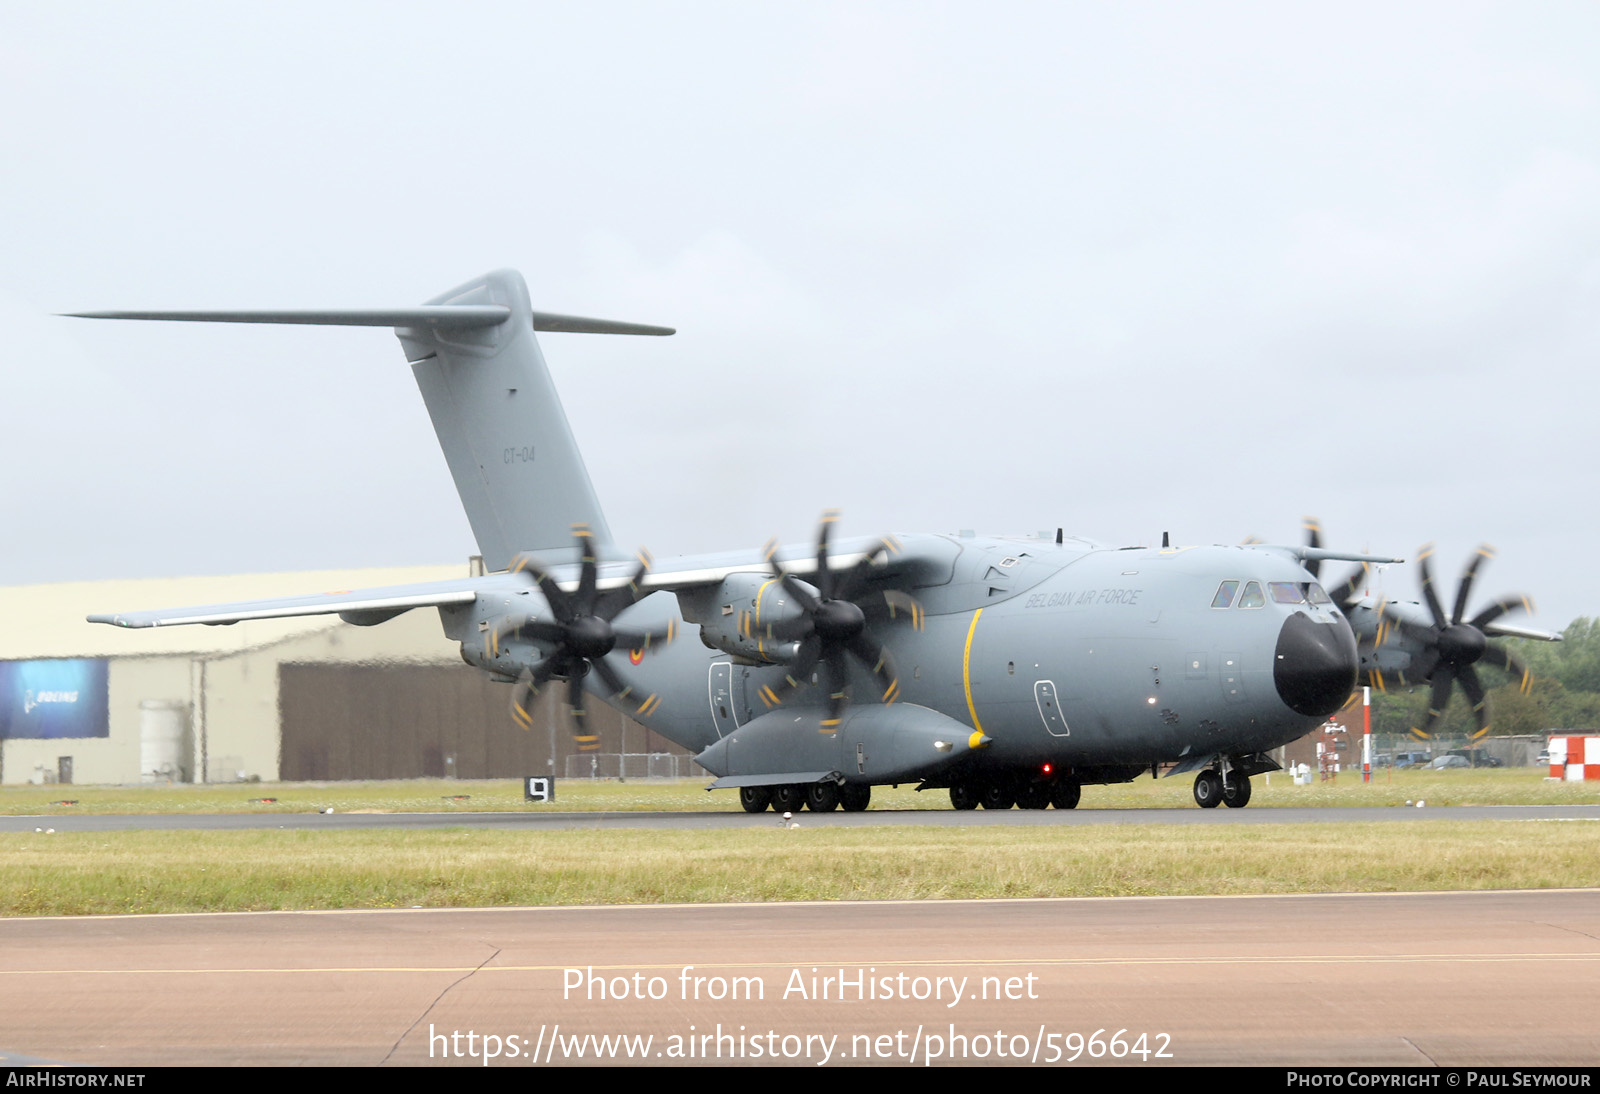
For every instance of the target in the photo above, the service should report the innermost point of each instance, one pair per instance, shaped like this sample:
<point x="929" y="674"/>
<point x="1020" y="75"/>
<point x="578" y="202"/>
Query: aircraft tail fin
<point x="495" y="410"/>
<point x="500" y="422"/>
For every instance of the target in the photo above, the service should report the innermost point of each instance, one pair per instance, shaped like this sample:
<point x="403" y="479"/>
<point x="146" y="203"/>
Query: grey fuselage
<point x="1068" y="654"/>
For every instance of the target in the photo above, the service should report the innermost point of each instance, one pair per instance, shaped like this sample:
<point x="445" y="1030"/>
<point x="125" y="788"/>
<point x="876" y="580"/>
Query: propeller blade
<point x="838" y="687"/>
<point x="1422" y="667"/>
<point x="1349" y="591"/>
<point x="784" y="630"/>
<point x="876" y="657"/>
<point x="1427" y="586"/>
<point x="522" y="699"/>
<point x="857" y="577"/>
<point x="527" y="691"/>
<point x="1474" y="691"/>
<point x="805" y="659"/>
<point x="1494" y="655"/>
<point x="1464" y="590"/>
<point x="1436" y="704"/>
<point x="647" y="641"/>
<point x="561" y="605"/>
<point x="797" y="590"/>
<point x="824" y="575"/>
<point x="524" y="627"/>
<point x="609" y="678"/>
<point x="588" y="575"/>
<point x="587" y="741"/>
<point x="907" y="606"/>
<point x="613" y="602"/>
<point x="1313" y="530"/>
<point x="1501" y="607"/>
<point x="1417" y="632"/>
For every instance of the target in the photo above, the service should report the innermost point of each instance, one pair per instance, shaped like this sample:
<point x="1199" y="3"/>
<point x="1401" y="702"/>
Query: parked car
<point x="1411" y="759"/>
<point x="1449" y="761"/>
<point x="1477" y="757"/>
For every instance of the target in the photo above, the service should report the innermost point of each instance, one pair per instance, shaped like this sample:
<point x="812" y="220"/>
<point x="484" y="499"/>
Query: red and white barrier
<point x="1575" y="758"/>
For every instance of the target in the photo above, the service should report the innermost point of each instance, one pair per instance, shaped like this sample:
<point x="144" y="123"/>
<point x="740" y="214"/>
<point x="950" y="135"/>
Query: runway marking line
<point x="554" y="909"/>
<point x="1049" y="962"/>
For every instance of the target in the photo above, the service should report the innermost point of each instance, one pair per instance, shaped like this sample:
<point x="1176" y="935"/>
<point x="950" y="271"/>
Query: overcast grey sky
<point x="1122" y="268"/>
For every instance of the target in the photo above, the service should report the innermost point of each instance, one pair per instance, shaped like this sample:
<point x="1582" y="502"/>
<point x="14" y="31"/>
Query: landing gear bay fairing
<point x="1011" y="671"/>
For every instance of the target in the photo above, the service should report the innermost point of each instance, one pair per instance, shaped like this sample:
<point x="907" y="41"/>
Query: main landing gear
<point x="1211" y="790"/>
<point x="1063" y="793"/>
<point x="818" y="797"/>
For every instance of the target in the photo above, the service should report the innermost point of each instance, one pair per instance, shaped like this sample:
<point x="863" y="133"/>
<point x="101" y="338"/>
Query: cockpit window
<point x="1315" y="594"/>
<point x="1225" y="593"/>
<point x="1286" y="592"/>
<point x="1253" y="597"/>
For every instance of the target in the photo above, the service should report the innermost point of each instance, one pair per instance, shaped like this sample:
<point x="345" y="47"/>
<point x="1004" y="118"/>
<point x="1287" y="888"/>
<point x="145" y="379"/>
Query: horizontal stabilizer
<point x="435" y="316"/>
<point x="577" y="324"/>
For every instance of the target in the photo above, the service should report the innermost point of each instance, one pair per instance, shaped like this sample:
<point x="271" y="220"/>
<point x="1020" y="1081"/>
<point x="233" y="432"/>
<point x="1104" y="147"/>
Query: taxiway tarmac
<point x="535" y="819"/>
<point x="1391" y="979"/>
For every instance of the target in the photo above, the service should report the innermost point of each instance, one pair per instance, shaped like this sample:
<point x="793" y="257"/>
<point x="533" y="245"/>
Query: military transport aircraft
<point x="1011" y="671"/>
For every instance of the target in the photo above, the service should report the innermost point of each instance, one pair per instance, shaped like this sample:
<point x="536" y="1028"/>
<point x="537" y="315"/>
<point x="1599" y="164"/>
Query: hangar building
<point x="309" y="698"/>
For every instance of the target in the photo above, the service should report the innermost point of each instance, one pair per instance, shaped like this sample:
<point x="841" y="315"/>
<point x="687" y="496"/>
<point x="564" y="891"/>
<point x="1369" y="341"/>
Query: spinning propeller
<point x="1451" y="645"/>
<point x="579" y="638"/>
<point x="832" y="627"/>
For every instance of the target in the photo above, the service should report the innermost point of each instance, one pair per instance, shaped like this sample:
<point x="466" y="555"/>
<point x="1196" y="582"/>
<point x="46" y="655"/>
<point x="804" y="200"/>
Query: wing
<point x="365" y="607"/>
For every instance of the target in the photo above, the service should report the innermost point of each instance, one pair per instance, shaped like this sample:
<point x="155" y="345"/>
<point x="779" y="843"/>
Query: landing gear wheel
<point x="788" y="799"/>
<point x="963" y="796"/>
<point x="1065" y="794"/>
<point x="822" y="797"/>
<point x="755" y="799"/>
<point x="1033" y="796"/>
<point x="1236" y="794"/>
<point x="854" y="798"/>
<point x="997" y="796"/>
<point x="1208" y="789"/>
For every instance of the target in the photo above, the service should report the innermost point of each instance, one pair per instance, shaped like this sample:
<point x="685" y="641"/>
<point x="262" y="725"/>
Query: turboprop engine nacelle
<point x="733" y="617"/>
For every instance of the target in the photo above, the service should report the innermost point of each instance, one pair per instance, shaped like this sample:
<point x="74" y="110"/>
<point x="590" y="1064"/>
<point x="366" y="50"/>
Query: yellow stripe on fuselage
<point x="966" y="670"/>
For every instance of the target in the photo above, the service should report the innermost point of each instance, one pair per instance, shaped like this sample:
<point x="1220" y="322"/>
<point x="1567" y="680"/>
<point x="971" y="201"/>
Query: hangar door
<point x="424" y="721"/>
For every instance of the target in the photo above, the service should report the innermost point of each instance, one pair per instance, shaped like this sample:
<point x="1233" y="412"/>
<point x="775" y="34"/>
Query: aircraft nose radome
<point x="1316" y="665"/>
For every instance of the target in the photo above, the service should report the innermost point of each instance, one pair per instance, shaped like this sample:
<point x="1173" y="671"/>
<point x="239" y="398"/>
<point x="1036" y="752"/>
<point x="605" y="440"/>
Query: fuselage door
<point x="1044" y="694"/>
<point x="721" y="686"/>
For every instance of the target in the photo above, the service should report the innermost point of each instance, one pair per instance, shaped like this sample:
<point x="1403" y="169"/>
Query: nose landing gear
<point x="1211" y="789"/>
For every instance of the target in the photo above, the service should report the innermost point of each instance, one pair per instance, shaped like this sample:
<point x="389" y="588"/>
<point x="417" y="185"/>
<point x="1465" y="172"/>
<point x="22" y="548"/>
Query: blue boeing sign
<point x="54" y="698"/>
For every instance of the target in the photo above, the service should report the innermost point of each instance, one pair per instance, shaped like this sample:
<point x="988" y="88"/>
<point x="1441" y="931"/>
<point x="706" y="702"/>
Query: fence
<point x="632" y="765"/>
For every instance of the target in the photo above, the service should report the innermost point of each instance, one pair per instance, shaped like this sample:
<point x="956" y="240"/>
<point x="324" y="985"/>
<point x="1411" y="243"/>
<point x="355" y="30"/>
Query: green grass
<point x="124" y="872"/>
<point x="61" y="873"/>
<point x="1513" y="786"/>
